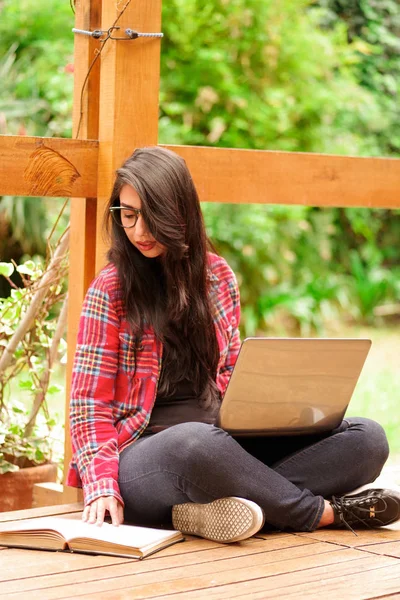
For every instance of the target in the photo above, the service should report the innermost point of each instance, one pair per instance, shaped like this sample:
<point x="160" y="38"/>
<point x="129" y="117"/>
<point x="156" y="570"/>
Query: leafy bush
<point x="28" y="350"/>
<point x="37" y="45"/>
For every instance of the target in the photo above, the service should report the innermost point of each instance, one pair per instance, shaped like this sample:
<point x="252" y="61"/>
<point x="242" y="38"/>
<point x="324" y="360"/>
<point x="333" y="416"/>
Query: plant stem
<point x="40" y="396"/>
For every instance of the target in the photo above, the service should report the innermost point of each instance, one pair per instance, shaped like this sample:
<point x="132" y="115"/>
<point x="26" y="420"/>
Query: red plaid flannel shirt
<point x="111" y="403"/>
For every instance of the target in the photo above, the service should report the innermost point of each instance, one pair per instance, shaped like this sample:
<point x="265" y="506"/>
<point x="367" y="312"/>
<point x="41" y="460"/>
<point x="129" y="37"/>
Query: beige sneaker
<point x="225" y="520"/>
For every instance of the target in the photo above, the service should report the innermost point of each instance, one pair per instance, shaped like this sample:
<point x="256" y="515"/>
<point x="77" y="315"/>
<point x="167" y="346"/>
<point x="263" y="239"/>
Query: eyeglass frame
<point x="136" y="211"/>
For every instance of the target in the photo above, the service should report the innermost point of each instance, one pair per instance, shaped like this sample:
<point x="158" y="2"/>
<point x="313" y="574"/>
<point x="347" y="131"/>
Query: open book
<point x="71" y="534"/>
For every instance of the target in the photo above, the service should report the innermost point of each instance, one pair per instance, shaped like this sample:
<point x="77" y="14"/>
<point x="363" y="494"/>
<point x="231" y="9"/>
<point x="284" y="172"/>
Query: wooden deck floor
<point x="324" y="564"/>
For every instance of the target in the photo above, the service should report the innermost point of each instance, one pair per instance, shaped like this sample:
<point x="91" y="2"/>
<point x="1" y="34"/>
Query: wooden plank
<point x="166" y="580"/>
<point x="47" y="511"/>
<point x="220" y="174"/>
<point x="261" y="176"/>
<point x="129" y="91"/>
<point x="83" y="211"/>
<point x="39" y="565"/>
<point x="386" y="549"/>
<point x="343" y="537"/>
<point x="312" y="574"/>
<point x="42" y="566"/>
<point x="58" y="167"/>
<point x="49" y="571"/>
<point x="233" y="576"/>
<point x="374" y="582"/>
<point x="47" y="494"/>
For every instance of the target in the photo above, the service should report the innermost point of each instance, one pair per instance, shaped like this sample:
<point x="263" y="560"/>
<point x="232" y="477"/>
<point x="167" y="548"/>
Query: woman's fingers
<point x="101" y="509"/>
<point x="85" y="514"/>
<point x="120" y="513"/>
<point x="113" y="508"/>
<point x="95" y="512"/>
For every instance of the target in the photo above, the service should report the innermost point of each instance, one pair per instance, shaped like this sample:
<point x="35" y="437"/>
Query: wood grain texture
<point x="275" y="575"/>
<point x="353" y="581"/>
<point x="163" y="578"/>
<point x="47" y="511"/>
<point x="348" y="539"/>
<point x="266" y="177"/>
<point x="55" y="167"/>
<point x="192" y="556"/>
<point x="83" y="210"/>
<point x="283" y="565"/>
<point x="383" y="548"/>
<point x="129" y="89"/>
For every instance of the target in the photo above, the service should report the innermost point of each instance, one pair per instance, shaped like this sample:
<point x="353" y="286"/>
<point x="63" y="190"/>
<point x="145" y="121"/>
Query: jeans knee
<point x="372" y="442"/>
<point x="194" y="444"/>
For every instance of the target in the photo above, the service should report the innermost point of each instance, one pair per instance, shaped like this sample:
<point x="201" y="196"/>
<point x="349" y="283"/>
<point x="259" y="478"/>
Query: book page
<point x="71" y="527"/>
<point x="64" y="526"/>
<point x="123" y="535"/>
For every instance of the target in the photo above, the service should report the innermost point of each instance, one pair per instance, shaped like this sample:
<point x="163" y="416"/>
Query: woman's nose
<point x="141" y="227"/>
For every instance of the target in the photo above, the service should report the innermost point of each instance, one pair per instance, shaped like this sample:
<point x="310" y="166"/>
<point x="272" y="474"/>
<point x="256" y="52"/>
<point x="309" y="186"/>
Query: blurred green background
<point x="295" y="75"/>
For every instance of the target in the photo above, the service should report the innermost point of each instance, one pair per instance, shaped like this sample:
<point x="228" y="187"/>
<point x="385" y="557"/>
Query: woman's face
<point x="139" y="235"/>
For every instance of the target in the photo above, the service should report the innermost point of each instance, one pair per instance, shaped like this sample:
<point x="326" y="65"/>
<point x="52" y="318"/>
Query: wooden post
<point x="129" y="89"/>
<point x="122" y="112"/>
<point x="83" y="210"/>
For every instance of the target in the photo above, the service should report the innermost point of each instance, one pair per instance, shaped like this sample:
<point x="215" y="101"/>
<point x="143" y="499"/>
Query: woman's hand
<point x="95" y="512"/>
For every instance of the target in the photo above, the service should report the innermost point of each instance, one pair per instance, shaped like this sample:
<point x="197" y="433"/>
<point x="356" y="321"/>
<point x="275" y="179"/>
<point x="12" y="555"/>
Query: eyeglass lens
<point x="124" y="217"/>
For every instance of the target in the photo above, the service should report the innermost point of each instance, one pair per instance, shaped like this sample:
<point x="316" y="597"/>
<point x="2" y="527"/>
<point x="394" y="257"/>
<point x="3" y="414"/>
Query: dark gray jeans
<point x="287" y="476"/>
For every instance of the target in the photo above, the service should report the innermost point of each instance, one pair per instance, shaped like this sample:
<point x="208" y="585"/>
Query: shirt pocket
<point x="148" y="353"/>
<point x="126" y="355"/>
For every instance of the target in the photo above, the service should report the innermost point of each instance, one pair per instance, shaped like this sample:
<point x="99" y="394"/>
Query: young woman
<point x="157" y="342"/>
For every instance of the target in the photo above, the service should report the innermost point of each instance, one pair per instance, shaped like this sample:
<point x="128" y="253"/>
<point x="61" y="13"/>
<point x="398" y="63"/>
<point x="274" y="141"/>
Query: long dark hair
<point x="172" y="299"/>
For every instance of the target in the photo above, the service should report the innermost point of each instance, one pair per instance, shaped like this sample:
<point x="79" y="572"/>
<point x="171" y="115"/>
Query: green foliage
<point x="36" y="46"/>
<point x="245" y="74"/>
<point x="18" y="451"/>
<point x="373" y="28"/>
<point x="27" y="220"/>
<point x="281" y="257"/>
<point x="286" y="76"/>
<point x="28" y="437"/>
<point x="294" y="75"/>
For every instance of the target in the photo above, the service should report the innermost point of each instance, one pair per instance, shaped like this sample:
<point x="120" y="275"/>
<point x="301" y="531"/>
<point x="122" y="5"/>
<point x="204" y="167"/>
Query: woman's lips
<point x="146" y="246"/>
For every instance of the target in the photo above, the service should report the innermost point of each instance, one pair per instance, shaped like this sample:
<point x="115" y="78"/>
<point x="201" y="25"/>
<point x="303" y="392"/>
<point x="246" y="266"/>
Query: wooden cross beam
<point x="118" y="111"/>
<point x="32" y="166"/>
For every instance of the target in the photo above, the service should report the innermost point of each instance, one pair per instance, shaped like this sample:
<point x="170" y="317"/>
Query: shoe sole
<point x="225" y="520"/>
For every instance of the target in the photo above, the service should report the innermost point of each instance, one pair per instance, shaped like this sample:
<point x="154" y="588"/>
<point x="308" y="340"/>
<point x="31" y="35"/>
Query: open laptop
<point x="291" y="386"/>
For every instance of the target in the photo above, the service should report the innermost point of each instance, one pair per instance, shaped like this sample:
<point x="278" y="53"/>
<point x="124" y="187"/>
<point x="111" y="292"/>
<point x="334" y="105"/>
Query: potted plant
<point x="32" y="323"/>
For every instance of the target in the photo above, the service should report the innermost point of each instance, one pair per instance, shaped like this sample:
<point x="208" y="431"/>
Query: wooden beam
<point x="129" y="91"/>
<point x="58" y="167"/>
<point x="260" y="176"/>
<point x="83" y="211"/>
<point x="31" y="166"/>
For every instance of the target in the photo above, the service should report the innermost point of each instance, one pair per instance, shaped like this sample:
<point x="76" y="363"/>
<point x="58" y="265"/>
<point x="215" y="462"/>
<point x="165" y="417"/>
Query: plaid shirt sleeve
<point x="234" y="334"/>
<point x="94" y="437"/>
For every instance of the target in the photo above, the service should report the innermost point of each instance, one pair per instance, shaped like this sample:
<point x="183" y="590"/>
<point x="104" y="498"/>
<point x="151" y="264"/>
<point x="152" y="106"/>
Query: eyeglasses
<point x="125" y="217"/>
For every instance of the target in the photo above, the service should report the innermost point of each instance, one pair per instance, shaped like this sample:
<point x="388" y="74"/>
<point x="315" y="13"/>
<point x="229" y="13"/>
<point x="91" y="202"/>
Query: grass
<point x="377" y="393"/>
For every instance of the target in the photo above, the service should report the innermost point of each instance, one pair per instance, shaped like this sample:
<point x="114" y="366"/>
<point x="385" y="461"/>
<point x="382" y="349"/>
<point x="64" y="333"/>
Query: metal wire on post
<point x="135" y="34"/>
<point x="130" y="34"/>
<point x="97" y="33"/>
<point x="103" y="36"/>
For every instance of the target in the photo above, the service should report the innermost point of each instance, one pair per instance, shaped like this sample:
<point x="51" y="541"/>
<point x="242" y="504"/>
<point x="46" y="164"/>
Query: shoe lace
<point x="352" y="509"/>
